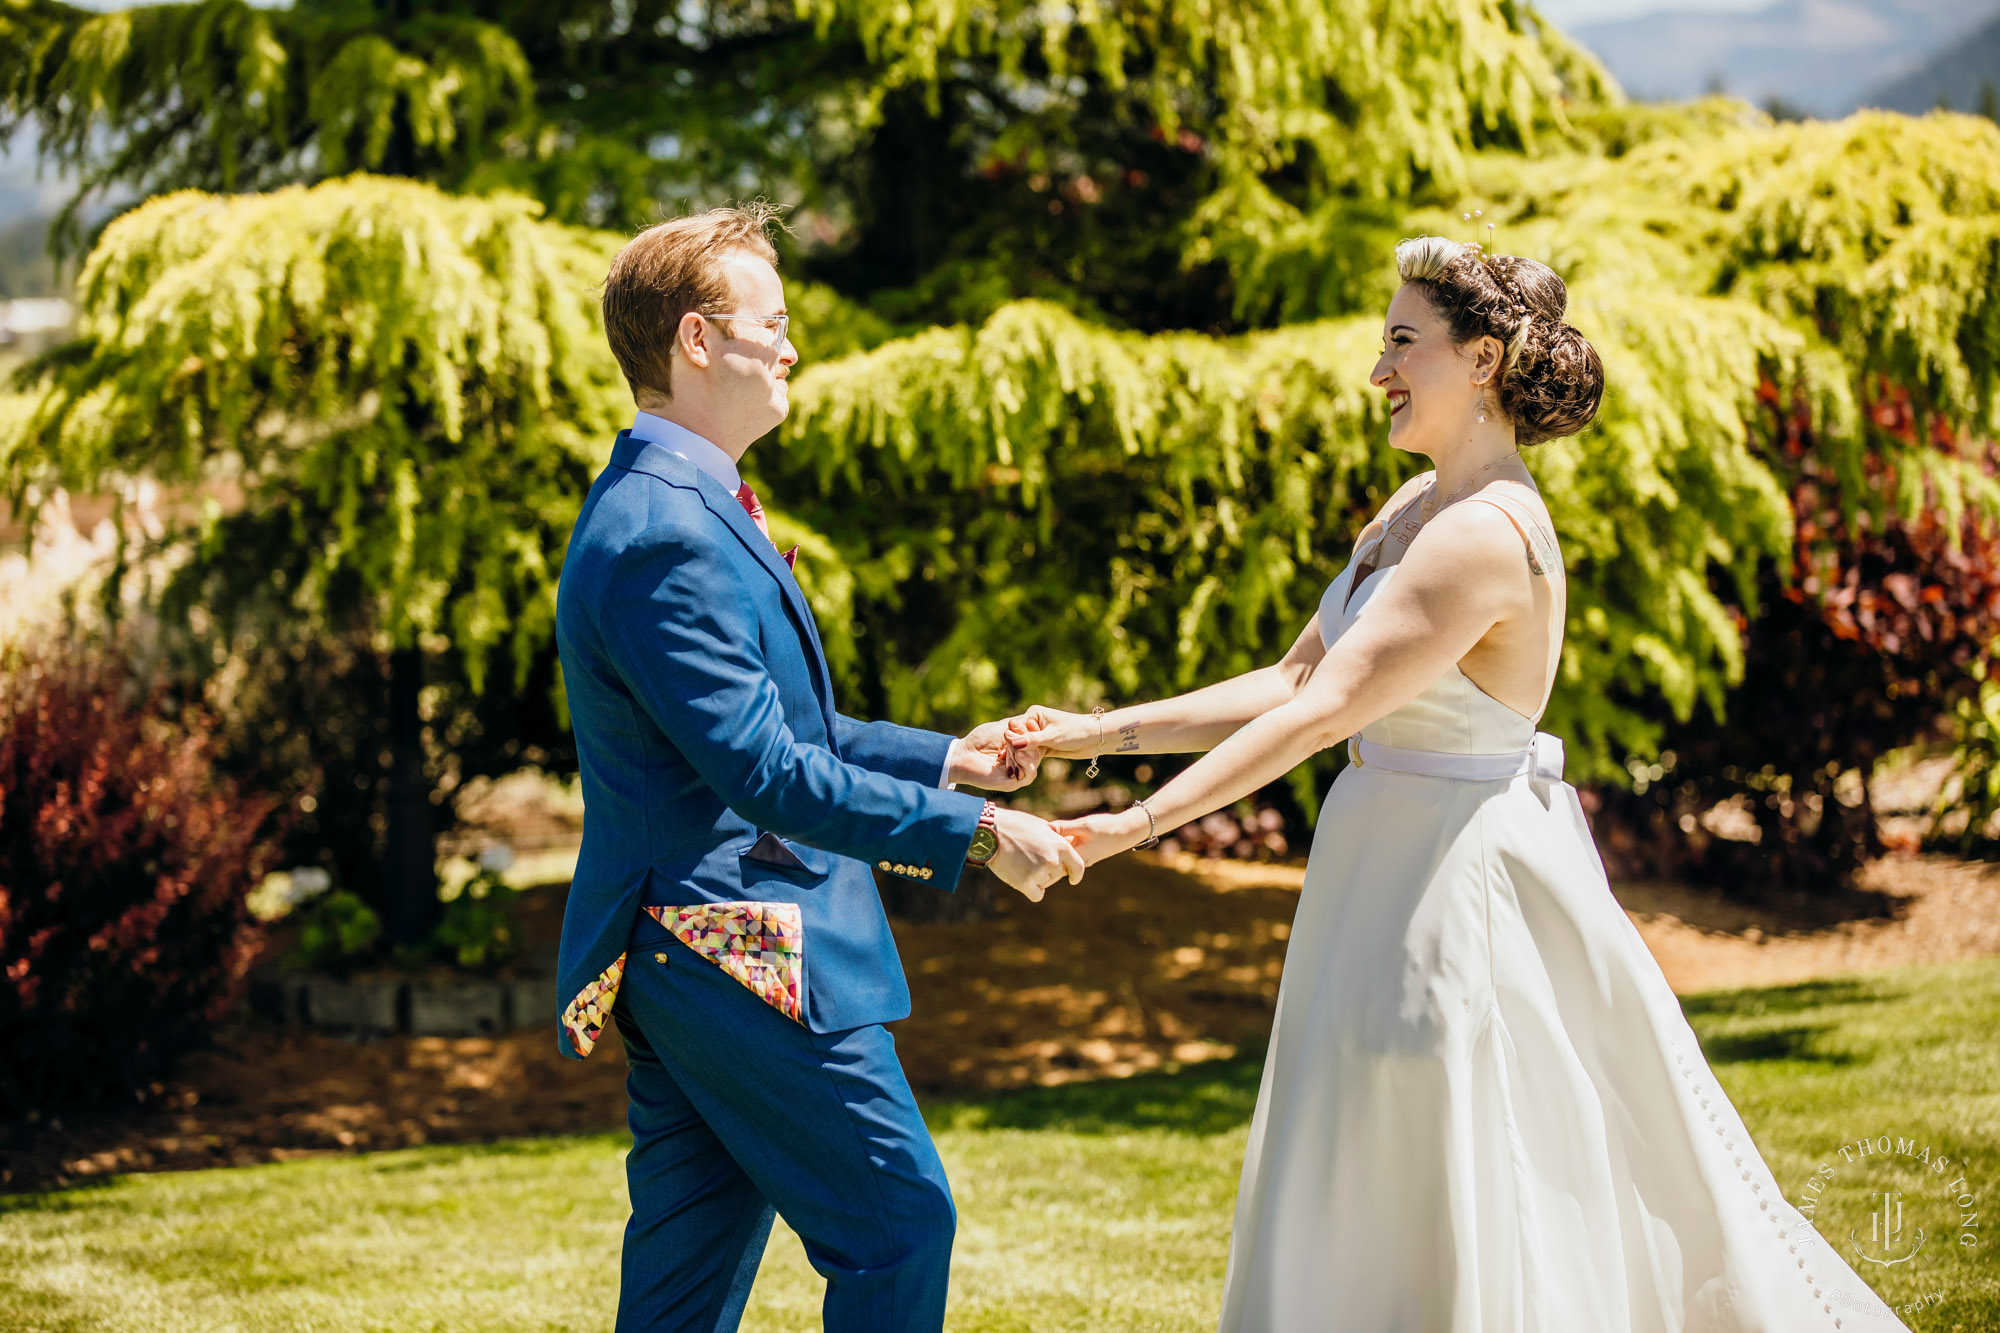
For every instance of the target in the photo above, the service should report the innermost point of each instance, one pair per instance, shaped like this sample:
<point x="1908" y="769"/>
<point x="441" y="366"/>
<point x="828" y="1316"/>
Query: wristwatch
<point x="985" y="839"/>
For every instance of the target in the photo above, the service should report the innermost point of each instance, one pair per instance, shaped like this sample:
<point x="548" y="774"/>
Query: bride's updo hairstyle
<point x="1550" y="379"/>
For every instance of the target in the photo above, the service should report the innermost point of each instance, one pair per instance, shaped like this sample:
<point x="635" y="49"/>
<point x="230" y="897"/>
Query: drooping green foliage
<point x="407" y="388"/>
<point x="226" y="95"/>
<point x="1360" y="97"/>
<point x="1182" y="500"/>
<point x="1281" y="113"/>
<point x="1061" y="512"/>
<point x="1089" y="302"/>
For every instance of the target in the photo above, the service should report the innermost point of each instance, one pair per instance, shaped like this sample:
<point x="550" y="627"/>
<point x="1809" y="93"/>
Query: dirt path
<point x="1145" y="965"/>
<point x="1908" y="909"/>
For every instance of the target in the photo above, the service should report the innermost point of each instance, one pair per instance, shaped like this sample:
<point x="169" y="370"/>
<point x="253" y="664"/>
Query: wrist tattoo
<point x="1128" y="738"/>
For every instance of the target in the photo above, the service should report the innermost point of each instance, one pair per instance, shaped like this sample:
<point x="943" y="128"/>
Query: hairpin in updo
<point x="1479" y="249"/>
<point x="1486" y="256"/>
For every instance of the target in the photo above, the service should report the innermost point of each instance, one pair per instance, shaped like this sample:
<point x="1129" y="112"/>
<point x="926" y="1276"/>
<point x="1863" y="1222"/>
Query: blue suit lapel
<point x="641" y="456"/>
<point x="727" y="509"/>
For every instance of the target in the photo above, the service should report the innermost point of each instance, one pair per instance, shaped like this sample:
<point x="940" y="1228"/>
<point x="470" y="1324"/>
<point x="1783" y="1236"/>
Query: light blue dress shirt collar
<point x="678" y="439"/>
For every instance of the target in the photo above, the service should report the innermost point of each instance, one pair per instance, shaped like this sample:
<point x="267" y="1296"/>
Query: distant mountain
<point x="25" y="267"/>
<point x="26" y="205"/>
<point x="1960" y="74"/>
<point x="1821" y="56"/>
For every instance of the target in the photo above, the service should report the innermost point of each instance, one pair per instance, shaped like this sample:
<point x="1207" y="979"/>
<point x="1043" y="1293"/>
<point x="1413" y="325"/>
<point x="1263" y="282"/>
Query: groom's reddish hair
<point x="667" y="271"/>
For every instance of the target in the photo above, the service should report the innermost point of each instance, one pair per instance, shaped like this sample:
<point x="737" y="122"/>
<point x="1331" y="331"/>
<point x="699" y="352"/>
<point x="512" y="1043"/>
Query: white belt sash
<point x="1542" y="760"/>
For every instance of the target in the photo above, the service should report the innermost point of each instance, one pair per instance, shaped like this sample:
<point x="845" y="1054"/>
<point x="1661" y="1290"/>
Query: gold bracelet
<point x="1098" y="713"/>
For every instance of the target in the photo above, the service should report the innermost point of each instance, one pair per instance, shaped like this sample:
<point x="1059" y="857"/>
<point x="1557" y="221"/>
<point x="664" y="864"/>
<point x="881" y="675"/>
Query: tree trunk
<point x="409" y="869"/>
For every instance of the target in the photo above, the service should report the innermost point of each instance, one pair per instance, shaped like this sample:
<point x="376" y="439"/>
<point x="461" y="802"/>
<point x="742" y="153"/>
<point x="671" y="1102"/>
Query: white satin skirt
<point x="1483" y="1111"/>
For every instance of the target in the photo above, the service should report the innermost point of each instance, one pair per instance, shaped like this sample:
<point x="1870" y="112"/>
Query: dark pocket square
<point x="772" y="850"/>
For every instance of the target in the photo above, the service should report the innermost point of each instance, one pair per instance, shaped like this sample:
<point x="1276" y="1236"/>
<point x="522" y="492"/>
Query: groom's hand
<point x="987" y="758"/>
<point x="1032" y="855"/>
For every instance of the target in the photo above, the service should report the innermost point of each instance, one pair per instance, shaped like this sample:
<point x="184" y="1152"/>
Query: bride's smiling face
<point x="1435" y="389"/>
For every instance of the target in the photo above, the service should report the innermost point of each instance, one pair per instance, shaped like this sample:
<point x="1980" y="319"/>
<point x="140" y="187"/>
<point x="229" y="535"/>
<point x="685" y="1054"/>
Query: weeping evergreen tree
<point x="1189" y="496"/>
<point x="1087" y="300"/>
<point x="407" y="390"/>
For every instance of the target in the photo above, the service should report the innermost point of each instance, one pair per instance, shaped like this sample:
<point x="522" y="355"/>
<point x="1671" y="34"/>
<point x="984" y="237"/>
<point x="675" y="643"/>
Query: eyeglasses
<point x="782" y="321"/>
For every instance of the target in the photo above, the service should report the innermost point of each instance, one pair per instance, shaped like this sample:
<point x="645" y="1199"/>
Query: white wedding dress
<point x="1482" y="1110"/>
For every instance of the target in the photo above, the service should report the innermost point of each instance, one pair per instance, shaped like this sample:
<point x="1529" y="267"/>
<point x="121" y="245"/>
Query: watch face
<point x="984" y="843"/>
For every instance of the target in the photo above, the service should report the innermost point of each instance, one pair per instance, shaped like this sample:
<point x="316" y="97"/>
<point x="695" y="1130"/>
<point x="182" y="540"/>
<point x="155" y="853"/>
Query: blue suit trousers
<point x="738" y="1114"/>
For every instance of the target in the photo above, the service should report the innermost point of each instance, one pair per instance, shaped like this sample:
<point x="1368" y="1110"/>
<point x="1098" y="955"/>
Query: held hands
<point x="1051" y="733"/>
<point x="987" y="758"/>
<point x="1011" y="751"/>
<point x="1006" y="755"/>
<point x="1032" y="855"/>
<point x="1103" y="835"/>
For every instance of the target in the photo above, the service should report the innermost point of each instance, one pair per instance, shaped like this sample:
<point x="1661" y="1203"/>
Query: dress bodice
<point x="1450" y="714"/>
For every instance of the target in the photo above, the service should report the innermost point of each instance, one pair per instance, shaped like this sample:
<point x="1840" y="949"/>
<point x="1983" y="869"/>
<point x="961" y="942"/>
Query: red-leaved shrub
<point x="1880" y="636"/>
<point x="124" y="861"/>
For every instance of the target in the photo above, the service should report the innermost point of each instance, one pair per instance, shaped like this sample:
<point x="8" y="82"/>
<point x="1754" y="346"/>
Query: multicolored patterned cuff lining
<point x="591" y="1009"/>
<point x="762" y="945"/>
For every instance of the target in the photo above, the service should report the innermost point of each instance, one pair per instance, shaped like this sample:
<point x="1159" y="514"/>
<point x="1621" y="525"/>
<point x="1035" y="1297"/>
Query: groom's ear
<point x="691" y="340"/>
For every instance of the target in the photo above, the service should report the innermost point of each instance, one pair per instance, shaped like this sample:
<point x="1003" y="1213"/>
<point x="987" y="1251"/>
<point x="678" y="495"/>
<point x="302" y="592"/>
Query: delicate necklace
<point x="1430" y="506"/>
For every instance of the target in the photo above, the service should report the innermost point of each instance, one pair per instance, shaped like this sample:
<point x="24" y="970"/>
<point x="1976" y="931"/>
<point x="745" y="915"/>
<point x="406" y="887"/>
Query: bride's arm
<point x="1461" y="576"/>
<point x="1185" y="724"/>
<point x="1188" y="723"/>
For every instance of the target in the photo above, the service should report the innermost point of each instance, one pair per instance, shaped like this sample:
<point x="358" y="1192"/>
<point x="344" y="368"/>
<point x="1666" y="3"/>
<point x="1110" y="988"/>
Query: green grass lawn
<point x="1093" y="1207"/>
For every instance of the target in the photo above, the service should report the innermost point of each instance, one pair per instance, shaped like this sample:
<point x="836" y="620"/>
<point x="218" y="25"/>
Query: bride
<point x="1482" y="1110"/>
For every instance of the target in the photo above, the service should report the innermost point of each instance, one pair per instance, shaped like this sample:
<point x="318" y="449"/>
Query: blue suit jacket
<point x="704" y="721"/>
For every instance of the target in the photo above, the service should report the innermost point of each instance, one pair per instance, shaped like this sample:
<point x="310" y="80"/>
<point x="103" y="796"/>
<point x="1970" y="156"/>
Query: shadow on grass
<point x="89" y="1192"/>
<point x="1217" y="1096"/>
<point x="1799" y="1042"/>
<point x="101" y="1190"/>
<point x="430" y="1156"/>
<point x="1212" y="1097"/>
<point x="1792" y="999"/>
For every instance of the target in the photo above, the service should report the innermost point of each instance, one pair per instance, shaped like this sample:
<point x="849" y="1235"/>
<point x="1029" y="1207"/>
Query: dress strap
<point x="1543" y="553"/>
<point x="1366" y="562"/>
<point x="1389" y="521"/>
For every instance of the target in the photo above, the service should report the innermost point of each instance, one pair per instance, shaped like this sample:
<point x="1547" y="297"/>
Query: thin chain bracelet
<point x="1152" y="832"/>
<point x="1098" y="713"/>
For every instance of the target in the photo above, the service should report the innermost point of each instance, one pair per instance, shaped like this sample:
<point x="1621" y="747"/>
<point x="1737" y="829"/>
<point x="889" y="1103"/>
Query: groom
<point x="723" y="914"/>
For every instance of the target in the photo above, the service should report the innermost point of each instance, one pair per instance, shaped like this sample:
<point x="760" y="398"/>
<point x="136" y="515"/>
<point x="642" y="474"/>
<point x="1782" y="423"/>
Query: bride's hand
<point x="1052" y="733"/>
<point x="1103" y="835"/>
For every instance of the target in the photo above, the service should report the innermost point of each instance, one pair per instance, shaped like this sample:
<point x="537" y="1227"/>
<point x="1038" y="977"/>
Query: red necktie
<point x="748" y="499"/>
